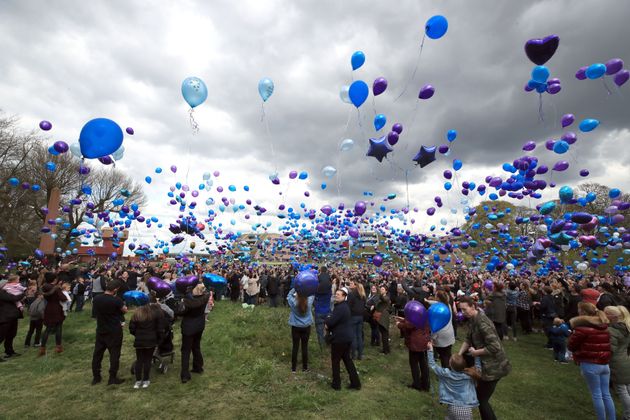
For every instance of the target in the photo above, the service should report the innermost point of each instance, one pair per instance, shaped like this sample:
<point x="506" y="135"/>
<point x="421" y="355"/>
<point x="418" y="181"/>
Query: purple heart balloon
<point x="613" y="66"/>
<point x="539" y="51"/>
<point x="621" y="77"/>
<point x="152" y="282"/>
<point x="162" y="289"/>
<point x="379" y="86"/>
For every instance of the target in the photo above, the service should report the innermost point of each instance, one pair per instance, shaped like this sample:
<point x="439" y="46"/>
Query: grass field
<point x="247" y="375"/>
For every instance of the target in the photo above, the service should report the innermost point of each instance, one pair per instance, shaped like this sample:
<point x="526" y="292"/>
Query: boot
<point x="42" y="351"/>
<point x="59" y="349"/>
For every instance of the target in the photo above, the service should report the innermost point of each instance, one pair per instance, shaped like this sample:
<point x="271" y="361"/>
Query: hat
<point x="345" y="290"/>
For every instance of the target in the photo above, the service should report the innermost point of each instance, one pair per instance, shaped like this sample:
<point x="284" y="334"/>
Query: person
<point x="146" y="326"/>
<point x="273" y="289"/>
<point x="523" y="308"/>
<point x="370" y="303"/>
<point x="558" y="334"/>
<point x="339" y="323"/>
<point x="619" y="329"/>
<point x="193" y="324"/>
<point x="547" y="313"/>
<point x="11" y="307"/>
<point x="78" y="292"/>
<point x="381" y="316"/>
<point x="36" y="320"/>
<point x="53" y="314"/>
<point x="511" y="298"/>
<point x="416" y="340"/>
<point x="356" y="300"/>
<point x="444" y="339"/>
<point x="252" y="288"/>
<point x="65" y="305"/>
<point x="322" y="303"/>
<point x="110" y="311"/>
<point x="607" y="296"/>
<point x="497" y="308"/>
<point x="300" y="320"/>
<point x="99" y="283"/>
<point x="574" y="299"/>
<point x="482" y="341"/>
<point x="457" y="385"/>
<point x="590" y="344"/>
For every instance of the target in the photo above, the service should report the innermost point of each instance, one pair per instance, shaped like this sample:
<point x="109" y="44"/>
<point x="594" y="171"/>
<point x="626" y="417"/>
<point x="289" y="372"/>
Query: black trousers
<point x="79" y="300"/>
<point x="112" y="342"/>
<point x="500" y="327"/>
<point x="485" y="389"/>
<point x="191" y="343"/>
<point x="419" y="369"/>
<point x="339" y="352"/>
<point x="525" y="317"/>
<point x="35" y="326"/>
<point x="8" y="331"/>
<point x="444" y="353"/>
<point x="57" y="330"/>
<point x="93" y="296"/>
<point x="384" y="338"/>
<point x="300" y="335"/>
<point x="511" y="319"/>
<point x="143" y="363"/>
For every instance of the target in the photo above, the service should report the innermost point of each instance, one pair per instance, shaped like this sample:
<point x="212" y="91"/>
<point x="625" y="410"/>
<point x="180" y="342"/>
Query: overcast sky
<point x="70" y="61"/>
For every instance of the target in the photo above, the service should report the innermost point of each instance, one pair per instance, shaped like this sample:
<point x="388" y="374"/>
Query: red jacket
<point x="590" y="341"/>
<point x="415" y="339"/>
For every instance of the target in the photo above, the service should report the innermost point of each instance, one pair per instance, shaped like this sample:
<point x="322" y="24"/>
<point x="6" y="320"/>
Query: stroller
<point x="164" y="354"/>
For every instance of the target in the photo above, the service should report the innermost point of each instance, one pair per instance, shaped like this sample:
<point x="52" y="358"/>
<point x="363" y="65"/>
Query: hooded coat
<point x="590" y="341"/>
<point x="620" y="361"/>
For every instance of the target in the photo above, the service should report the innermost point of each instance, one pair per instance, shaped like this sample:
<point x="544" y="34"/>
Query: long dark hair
<point x="302" y="304"/>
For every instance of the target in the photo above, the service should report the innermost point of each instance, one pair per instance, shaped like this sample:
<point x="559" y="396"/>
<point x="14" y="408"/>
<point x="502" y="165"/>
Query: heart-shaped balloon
<point x="539" y="51"/>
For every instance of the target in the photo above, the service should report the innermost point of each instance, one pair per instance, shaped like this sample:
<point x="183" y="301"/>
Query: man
<point x="79" y="294"/>
<point x="10" y="311"/>
<point x="273" y="289"/>
<point x="322" y="304"/>
<point x="98" y="287"/>
<point x="110" y="316"/>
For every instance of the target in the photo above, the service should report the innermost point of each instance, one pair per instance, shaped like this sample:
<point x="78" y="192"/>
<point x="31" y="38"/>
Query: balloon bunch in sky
<point x="613" y="67"/>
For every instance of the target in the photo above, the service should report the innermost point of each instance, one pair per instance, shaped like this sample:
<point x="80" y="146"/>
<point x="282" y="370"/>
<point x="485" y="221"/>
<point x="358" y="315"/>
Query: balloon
<point x="553" y="89"/>
<point x="213" y="280"/>
<point x="306" y="282"/>
<point x="392" y="138"/>
<point x="148" y="179"/>
<point x="45" y="125"/>
<point x="595" y="71"/>
<point x="135" y="297"/>
<point x="379" y="86"/>
<point x="547" y="208"/>
<point x="194" y="91"/>
<point x="560" y="147"/>
<point x="565" y="194"/>
<point x="581" y="73"/>
<point x="613" y="66"/>
<point x="539" y="51"/>
<point x="567" y="120"/>
<point x="329" y="171"/>
<point x="359" y="208"/>
<point x="75" y="149"/>
<point x="344" y="94"/>
<point x="436" y="27"/>
<point x="457" y="164"/>
<point x="106" y="160"/>
<point x="488" y="285"/>
<point x="347" y="145"/>
<point x="184" y="283"/>
<point x="100" y="137"/>
<point x="129" y="131"/>
<point x="614" y="193"/>
<point x="357" y="60"/>
<point x="60" y="146"/>
<point x="359" y="92"/>
<point x="439" y="316"/>
<point x="540" y="74"/>
<point x="416" y="314"/>
<point x="584" y="172"/>
<point x="431" y="211"/>
<point x="379" y="148"/>
<point x="426" y="92"/>
<point x="621" y="77"/>
<point x="398" y="128"/>
<point x="529" y="146"/>
<point x="173" y="168"/>
<point x="425" y="156"/>
<point x="303" y="175"/>
<point x="377" y="260"/>
<point x="588" y="124"/>
<point x="451" y="135"/>
<point x="379" y="121"/>
<point x="265" y="88"/>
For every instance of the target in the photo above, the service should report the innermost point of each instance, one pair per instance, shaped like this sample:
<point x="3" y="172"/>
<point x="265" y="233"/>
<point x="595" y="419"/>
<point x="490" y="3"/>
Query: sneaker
<point x="146" y="384"/>
<point x="137" y="385"/>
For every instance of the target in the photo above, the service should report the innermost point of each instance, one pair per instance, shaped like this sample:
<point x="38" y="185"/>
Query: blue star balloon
<point x="379" y="148"/>
<point x="425" y="156"/>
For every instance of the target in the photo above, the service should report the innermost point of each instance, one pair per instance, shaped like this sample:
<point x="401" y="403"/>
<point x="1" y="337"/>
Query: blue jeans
<point x="319" y="327"/>
<point x="357" y="336"/>
<point x="559" y="351"/>
<point x="598" y="378"/>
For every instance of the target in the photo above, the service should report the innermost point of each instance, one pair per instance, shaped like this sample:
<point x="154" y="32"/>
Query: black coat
<point x="340" y="323"/>
<point x="147" y="334"/>
<point x="325" y="285"/>
<point x="548" y="307"/>
<point x="357" y="305"/>
<point x="8" y="311"/>
<point x="193" y="314"/>
<point x="273" y="286"/>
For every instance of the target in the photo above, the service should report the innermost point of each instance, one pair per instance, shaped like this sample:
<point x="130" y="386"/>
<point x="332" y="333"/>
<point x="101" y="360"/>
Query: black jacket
<point x="193" y="314"/>
<point x="272" y="286"/>
<point x="8" y="311"/>
<point x="340" y="323"/>
<point x="147" y="334"/>
<point x="357" y="305"/>
<point x="548" y="307"/>
<point x="325" y="285"/>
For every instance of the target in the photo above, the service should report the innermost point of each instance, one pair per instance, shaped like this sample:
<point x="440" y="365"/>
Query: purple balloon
<point x="106" y="160"/>
<point x="448" y="174"/>
<point x="554" y="81"/>
<point x="60" y="146"/>
<point x="529" y="146"/>
<point x="398" y="128"/>
<point x="416" y="314"/>
<point x="327" y="210"/>
<point x="584" y="172"/>
<point x="162" y="289"/>
<point x="549" y="144"/>
<point x="567" y="120"/>
<point x="443" y="149"/>
<point x="561" y="166"/>
<point x="184" y="283"/>
<point x="553" y="89"/>
<point x="152" y="282"/>
<point x="528" y="88"/>
<point x="84" y="170"/>
<point x="426" y="92"/>
<point x="353" y="232"/>
<point x="431" y="211"/>
<point x="539" y="51"/>
<point x="581" y="73"/>
<point x="173" y="168"/>
<point x="570" y="137"/>
<point x="293" y="174"/>
<point x="45" y="125"/>
<point x="129" y="131"/>
<point x="542" y="169"/>
<point x="613" y="66"/>
<point x="392" y="138"/>
<point x="379" y="86"/>
<point x="621" y="77"/>
<point x="377" y="260"/>
<point x="359" y="208"/>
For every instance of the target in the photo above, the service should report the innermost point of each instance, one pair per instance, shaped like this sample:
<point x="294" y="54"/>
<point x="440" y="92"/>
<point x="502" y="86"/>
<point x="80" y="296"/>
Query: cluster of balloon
<point x="135" y="298"/>
<point x="195" y="93"/>
<point x="306" y="282"/>
<point x="613" y="68"/>
<point x="539" y="51"/>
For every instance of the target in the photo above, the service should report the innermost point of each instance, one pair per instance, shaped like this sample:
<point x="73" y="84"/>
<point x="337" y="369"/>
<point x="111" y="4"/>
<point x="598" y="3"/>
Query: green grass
<point x="247" y="375"/>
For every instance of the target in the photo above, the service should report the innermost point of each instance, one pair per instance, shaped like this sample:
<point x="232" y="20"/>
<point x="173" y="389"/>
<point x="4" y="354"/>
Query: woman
<point x="339" y="323"/>
<point x="444" y="339"/>
<point x="193" y="324"/>
<point x="146" y="326"/>
<point x="511" y="298"/>
<point x="523" y="308"/>
<point x="252" y="289"/>
<point x="590" y="344"/>
<point x="619" y="329"/>
<point x="381" y="316"/>
<point x="356" y="300"/>
<point x="547" y="312"/>
<point x="300" y="321"/>
<point x="482" y="341"/>
<point x="370" y="303"/>
<point x="496" y="306"/>
<point x="53" y="314"/>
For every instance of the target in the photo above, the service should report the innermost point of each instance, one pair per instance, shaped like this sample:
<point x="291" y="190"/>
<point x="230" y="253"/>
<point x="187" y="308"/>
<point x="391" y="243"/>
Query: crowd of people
<point x="585" y="319"/>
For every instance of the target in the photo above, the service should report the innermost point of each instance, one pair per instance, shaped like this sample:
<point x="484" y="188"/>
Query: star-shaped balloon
<point x="425" y="156"/>
<point x="379" y="148"/>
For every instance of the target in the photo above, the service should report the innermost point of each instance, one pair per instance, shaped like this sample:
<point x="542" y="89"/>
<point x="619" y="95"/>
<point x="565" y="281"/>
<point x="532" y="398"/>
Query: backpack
<point x="37" y="308"/>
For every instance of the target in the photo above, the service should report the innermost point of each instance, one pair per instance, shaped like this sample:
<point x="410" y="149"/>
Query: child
<point x="65" y="305"/>
<point x="36" y="315"/>
<point x="147" y="326"/>
<point x="558" y="334"/>
<point x="13" y="287"/>
<point x="210" y="304"/>
<point x="457" y="386"/>
<point x="416" y="340"/>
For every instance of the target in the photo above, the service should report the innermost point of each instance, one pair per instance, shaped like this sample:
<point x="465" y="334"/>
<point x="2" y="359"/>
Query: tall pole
<point x="46" y="242"/>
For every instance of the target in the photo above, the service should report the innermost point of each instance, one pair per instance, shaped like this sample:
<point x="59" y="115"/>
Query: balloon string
<point x="193" y="123"/>
<point x="266" y="121"/>
<point x="413" y="75"/>
<point x="540" y="108"/>
<point x="413" y="117"/>
<point x="407" y="185"/>
<point x="606" y="85"/>
<point x="374" y="104"/>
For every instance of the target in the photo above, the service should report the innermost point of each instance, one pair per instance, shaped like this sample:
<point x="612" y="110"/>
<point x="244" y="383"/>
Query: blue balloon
<point x="194" y="91"/>
<point x="560" y="147"/>
<point x="565" y="194"/>
<point x="457" y="164"/>
<point x="451" y="135"/>
<point x="379" y="121"/>
<point x="540" y="74"/>
<point x="265" y="88"/>
<point x="595" y="71"/>
<point x="324" y="185"/>
<point x="590" y="197"/>
<point x="303" y="175"/>
<point x="357" y="60"/>
<point x="158" y="170"/>
<point x="436" y="27"/>
<point x="358" y="92"/>
<point x="614" y="193"/>
<point x="52" y="151"/>
<point x="448" y="186"/>
<point x="588" y="124"/>
<point x="100" y="137"/>
<point x="135" y="297"/>
<point x="50" y="166"/>
<point x="148" y="179"/>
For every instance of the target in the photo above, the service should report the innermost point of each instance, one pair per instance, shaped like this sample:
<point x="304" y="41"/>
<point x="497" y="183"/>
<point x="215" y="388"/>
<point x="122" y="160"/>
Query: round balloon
<point x="194" y="91"/>
<point x="439" y="316"/>
<point x="100" y="137"/>
<point x="436" y="27"/>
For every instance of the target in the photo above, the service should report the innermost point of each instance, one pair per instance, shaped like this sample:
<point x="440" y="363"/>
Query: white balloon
<point x="542" y="228"/>
<point x="118" y="154"/>
<point x="347" y="145"/>
<point x="582" y="266"/>
<point x="75" y="149"/>
<point x="344" y="94"/>
<point x="329" y="171"/>
<point x="565" y="247"/>
<point x="206" y="176"/>
<point x="509" y="266"/>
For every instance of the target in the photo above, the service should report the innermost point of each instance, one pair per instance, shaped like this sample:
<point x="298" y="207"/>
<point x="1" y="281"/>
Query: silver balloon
<point x="329" y="171"/>
<point x="344" y="94"/>
<point x="347" y="145"/>
<point x="118" y="154"/>
<point x="75" y="149"/>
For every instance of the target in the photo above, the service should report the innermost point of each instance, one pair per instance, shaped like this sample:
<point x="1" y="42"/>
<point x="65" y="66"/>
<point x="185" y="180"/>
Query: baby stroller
<point x="164" y="354"/>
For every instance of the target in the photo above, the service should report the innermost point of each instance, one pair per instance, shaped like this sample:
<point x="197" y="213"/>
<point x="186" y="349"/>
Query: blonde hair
<point x="199" y="290"/>
<point x="558" y="321"/>
<point x="361" y="290"/>
<point x="589" y="309"/>
<point x="619" y="312"/>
